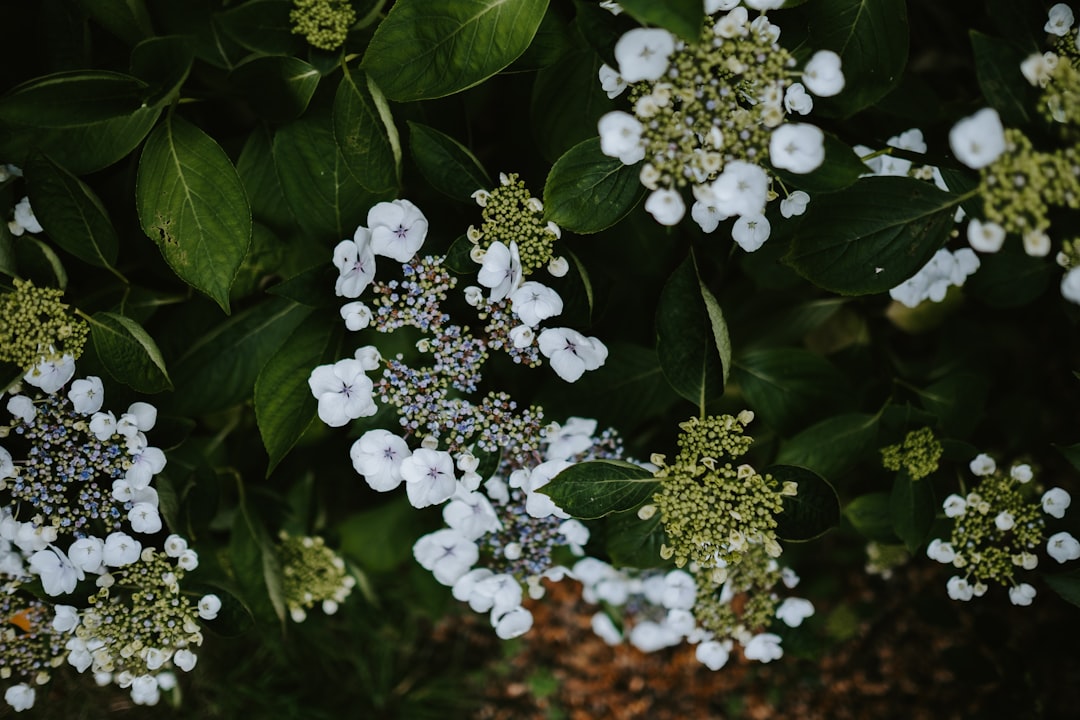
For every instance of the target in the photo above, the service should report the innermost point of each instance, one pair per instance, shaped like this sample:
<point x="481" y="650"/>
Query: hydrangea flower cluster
<point x="712" y="116"/>
<point x="35" y="326"/>
<point x="76" y="487"/>
<point x="918" y="454"/>
<point x="997" y="531"/>
<point x="1021" y="184"/>
<point x="323" y="23"/>
<point x="713" y="512"/>
<point x="312" y="573"/>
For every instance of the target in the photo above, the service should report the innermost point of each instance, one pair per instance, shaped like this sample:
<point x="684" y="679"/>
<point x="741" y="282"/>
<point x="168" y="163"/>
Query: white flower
<point x="24" y="221"/>
<point x="51" y="375"/>
<point x="145" y="691"/>
<point x="741" y="189"/>
<point x="603" y="626"/>
<point x="144" y="466"/>
<point x="534" y="302"/>
<point x="985" y="237"/>
<point x="1063" y="547"/>
<point x="620" y="137"/>
<point x="86" y="395"/>
<point x="954" y="506"/>
<point x="707" y="216"/>
<point x="144" y="518"/>
<point x="429" y="477"/>
<point x="751" y="232"/>
<point x="1036" y="243"/>
<point x="175" y="545"/>
<point x="1055" y="501"/>
<point x="572" y="438"/>
<point x="522" y="336"/>
<point x="822" y="74"/>
<point x="1059" y="20"/>
<point x="798" y="147"/>
<point x="1022" y="594"/>
<point x="1070" y="285"/>
<point x="642" y="53"/>
<point x="794" y="204"/>
<point x="571" y="353"/>
<point x="1021" y="473"/>
<point x="1037" y="69"/>
<point x="120" y="549"/>
<point x="7" y="466"/>
<point x="666" y="206"/>
<point x="185" y="659"/>
<point x="58" y="574"/>
<point x="558" y="267"/>
<point x="87" y="553"/>
<point x="377" y="455"/>
<point x="983" y="465"/>
<point x="649" y="636"/>
<point x="680" y="590"/>
<point x="1004" y="521"/>
<point x="103" y="425"/>
<point x="715" y="6"/>
<point x="343" y="390"/>
<point x="501" y="270"/>
<point x="712" y="654"/>
<point x="792" y="611"/>
<point x="764" y="4"/>
<point x="733" y="24"/>
<point x="537" y="504"/>
<point x="764" y="647"/>
<point x="611" y="81"/>
<point x="978" y="140"/>
<point x="959" y="589"/>
<point x="514" y="623"/>
<point x="447" y="554"/>
<point x="355" y="262"/>
<point x="576" y="535"/>
<point x="397" y="229"/>
<point x="22" y="408"/>
<point x="796" y="99"/>
<point x="155" y="658"/>
<point x="941" y="551"/>
<point x="209" y="606"/>
<point x="356" y="315"/>
<point x="471" y="514"/>
<point x="20" y="697"/>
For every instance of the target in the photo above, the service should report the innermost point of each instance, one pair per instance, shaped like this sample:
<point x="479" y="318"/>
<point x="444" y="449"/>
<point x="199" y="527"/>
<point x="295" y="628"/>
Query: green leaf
<point x="424" y="50"/>
<point x="255" y="166"/>
<point x="691" y="337"/>
<point x="786" y="386"/>
<point x="163" y="63"/>
<point x="220" y="368"/>
<point x="597" y="488"/>
<point x="284" y="406"/>
<point x="446" y="164"/>
<point x="957" y="400"/>
<point x="832" y="446"/>
<point x="126" y="19"/>
<point x="682" y="17"/>
<point x="254" y="563"/>
<point x="366" y="134"/>
<point x="871" y="516"/>
<point x="841" y="168"/>
<point x="812" y="512"/>
<point x="567" y="102"/>
<point x="326" y="198"/>
<point x="1070" y="453"/>
<point x="912" y="509"/>
<point x="128" y="352"/>
<point x="587" y="191"/>
<point x="192" y="204"/>
<point x="84" y="120"/>
<point x="871" y="37"/>
<point x="872" y="236"/>
<point x="38" y="262"/>
<point x="262" y="26"/>
<point x="312" y="287"/>
<point x="997" y="68"/>
<point x="278" y="88"/>
<point x="791" y="322"/>
<point x="71" y="214"/>
<point x="1066" y="584"/>
<point x="549" y="43"/>
<point x="633" y="542"/>
<point x="380" y="539"/>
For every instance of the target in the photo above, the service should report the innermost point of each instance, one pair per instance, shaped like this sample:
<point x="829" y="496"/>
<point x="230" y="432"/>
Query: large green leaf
<point x="221" y="367"/>
<point x="277" y="87"/>
<point x="70" y="212"/>
<point x="366" y="134"/>
<point x="871" y="37"/>
<point x="380" y="539"/>
<point x="128" y="352"/>
<point x="587" y="191"/>
<point x="163" y="63"/>
<point x="284" y="406"/>
<point x="597" y="488"/>
<point x="871" y="516"/>
<point x="446" y="164"/>
<point x="1066" y="584"/>
<point x="262" y="26"/>
<point x="428" y="50"/>
<point x="255" y="166"/>
<point x="691" y="337"/>
<point x="872" y="236"/>
<point x="811" y="512"/>
<point x="912" y="509"/>
<point x="997" y="68"/>
<point x="633" y="542"/>
<point x="786" y="386"/>
<point x="567" y="102"/>
<point x="682" y="17"/>
<point x="192" y="204"/>
<point x="832" y="446"/>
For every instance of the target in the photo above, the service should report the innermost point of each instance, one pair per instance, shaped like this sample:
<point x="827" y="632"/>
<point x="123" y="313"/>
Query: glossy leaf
<point x="567" y="102"/>
<point x="912" y="509"/>
<point x="365" y="133"/>
<point x="380" y="539"/>
<point x="832" y="446"/>
<point x="633" y="542"/>
<point x="682" y="17"/>
<point x="422" y="50"/>
<point x="997" y="68"/>
<point x="587" y="191"/>
<point x="597" y="488"/>
<point x="192" y="204"/>
<point x="255" y="166"/>
<point x="128" y="352"/>
<point x="872" y="236"/>
<point x="787" y="386"/>
<point x="163" y="63"/>
<point x="262" y="26"/>
<point x="446" y="164"/>
<point x="871" y="516"/>
<point x="278" y="88"/>
<point x="71" y="213"/>
<point x="812" y="512"/>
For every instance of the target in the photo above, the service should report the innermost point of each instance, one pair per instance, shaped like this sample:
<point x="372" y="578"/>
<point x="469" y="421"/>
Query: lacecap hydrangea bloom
<point x="713" y="117"/>
<point x="312" y="573"/>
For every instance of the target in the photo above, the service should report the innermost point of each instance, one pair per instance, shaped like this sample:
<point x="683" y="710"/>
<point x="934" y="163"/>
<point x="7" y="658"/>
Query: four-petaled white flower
<point x="355" y="262"/>
<point x="941" y="551"/>
<point x="145" y="691"/>
<point x="1059" y="20"/>
<point x="982" y="465"/>
<point x="792" y="611"/>
<point x="58" y="574"/>
<point x="798" y="147"/>
<point x="741" y="189"/>
<point x="144" y="465"/>
<point x="429" y="477"/>
<point x="706" y="215"/>
<point x="571" y="353"/>
<point x="797" y="100"/>
<point x="87" y="553"/>
<point x="666" y="206"/>
<point x="144" y="518"/>
<point x="209" y="606"/>
<point x="120" y="549"/>
<point x="679" y="591"/>
<point x="87" y="394"/>
<point x="959" y="588"/>
<point x="501" y="270"/>
<point x="642" y="53"/>
<point x="20" y="697"/>
<point x="985" y="237"/>
<point x="764" y="647"/>
<point x="823" y="75"/>
<point x="471" y="514"/>
<point x="514" y="623"/>
<point x="356" y="315"/>
<point x="620" y="137"/>
<point x="978" y="140"/>
<point x="794" y="204"/>
<point x="534" y="302"/>
<point x="1063" y="547"/>
<point x="1055" y="502"/>
<point x="713" y="654"/>
<point x="185" y="659"/>
<point x="611" y="81"/>
<point x="51" y="375"/>
<point x="751" y="232"/>
<point x="447" y="554"/>
<point x="377" y="455"/>
<point x="1022" y="594"/>
<point x="343" y="390"/>
<point x="954" y="506"/>
<point x="397" y="228"/>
